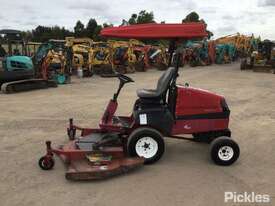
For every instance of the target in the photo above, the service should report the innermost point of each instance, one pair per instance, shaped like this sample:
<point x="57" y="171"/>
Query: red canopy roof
<point x="157" y="31"/>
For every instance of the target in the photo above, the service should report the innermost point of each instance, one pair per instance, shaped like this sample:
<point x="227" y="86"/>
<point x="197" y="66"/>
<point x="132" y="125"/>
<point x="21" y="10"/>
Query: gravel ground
<point x="184" y="176"/>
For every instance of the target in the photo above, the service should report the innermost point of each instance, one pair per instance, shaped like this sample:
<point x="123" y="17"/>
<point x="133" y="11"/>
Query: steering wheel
<point x="124" y="79"/>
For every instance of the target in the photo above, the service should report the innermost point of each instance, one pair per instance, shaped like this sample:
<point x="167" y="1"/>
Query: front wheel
<point x="224" y="151"/>
<point x="46" y="163"/>
<point x="147" y="143"/>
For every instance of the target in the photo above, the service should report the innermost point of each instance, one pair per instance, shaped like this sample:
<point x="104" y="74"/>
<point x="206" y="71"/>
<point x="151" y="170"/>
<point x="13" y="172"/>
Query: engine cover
<point x="198" y="110"/>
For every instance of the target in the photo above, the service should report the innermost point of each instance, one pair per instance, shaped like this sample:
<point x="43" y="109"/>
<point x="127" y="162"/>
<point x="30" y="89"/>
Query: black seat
<point x="162" y="86"/>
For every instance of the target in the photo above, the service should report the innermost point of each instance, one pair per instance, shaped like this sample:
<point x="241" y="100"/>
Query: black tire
<point x="243" y="65"/>
<point x="216" y="147"/>
<point x="46" y="166"/>
<point x="88" y="73"/>
<point x="68" y="79"/>
<point x="140" y="133"/>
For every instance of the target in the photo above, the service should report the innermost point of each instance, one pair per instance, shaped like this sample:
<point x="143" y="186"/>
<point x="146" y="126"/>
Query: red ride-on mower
<point x="121" y="143"/>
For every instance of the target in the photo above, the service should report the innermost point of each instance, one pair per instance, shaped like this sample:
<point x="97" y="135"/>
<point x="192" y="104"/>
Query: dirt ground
<point x="184" y="176"/>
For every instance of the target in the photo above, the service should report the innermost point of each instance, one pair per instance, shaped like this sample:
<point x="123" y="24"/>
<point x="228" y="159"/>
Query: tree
<point x="79" y="29"/>
<point x="145" y="17"/>
<point x="192" y="17"/>
<point x="142" y="18"/>
<point x="27" y="35"/>
<point x="133" y="19"/>
<point x="43" y="33"/>
<point x="105" y="25"/>
<point x="210" y="34"/>
<point x="124" y="23"/>
<point x="96" y="35"/>
<point x="90" y="28"/>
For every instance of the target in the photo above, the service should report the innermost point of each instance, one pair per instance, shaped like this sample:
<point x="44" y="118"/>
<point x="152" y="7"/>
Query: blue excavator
<point x="17" y="72"/>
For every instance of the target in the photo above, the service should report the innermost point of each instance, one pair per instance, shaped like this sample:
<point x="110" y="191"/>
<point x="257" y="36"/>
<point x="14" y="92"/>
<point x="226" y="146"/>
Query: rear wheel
<point x="224" y="151"/>
<point x="147" y="143"/>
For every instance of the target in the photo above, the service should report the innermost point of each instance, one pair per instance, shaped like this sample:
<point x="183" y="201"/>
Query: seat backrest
<point x="164" y="81"/>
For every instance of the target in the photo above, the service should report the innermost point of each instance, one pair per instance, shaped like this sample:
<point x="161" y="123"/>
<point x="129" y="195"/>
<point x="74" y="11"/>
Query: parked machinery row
<point x="113" y="56"/>
<point x="220" y="51"/>
<point x="243" y="44"/>
<point x="204" y="52"/>
<point x="19" y="72"/>
<point x="27" y="66"/>
<point x="261" y="59"/>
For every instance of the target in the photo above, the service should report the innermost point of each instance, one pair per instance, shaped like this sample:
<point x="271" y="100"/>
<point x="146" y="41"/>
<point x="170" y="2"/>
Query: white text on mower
<point x="246" y="197"/>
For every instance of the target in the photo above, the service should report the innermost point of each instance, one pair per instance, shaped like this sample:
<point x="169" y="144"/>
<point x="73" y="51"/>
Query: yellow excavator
<point x="128" y="56"/>
<point x="139" y="53"/>
<point x="121" y="57"/>
<point x="244" y="44"/>
<point x="50" y="61"/>
<point x="262" y="59"/>
<point x="99" y="58"/>
<point x="79" y="54"/>
<point x="158" y="57"/>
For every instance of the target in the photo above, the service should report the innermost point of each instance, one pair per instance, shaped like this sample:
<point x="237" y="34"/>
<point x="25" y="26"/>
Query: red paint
<point x="212" y="51"/>
<point x="69" y="152"/>
<point x="192" y="101"/>
<point x="199" y="125"/>
<point x="109" y="112"/>
<point x="157" y="31"/>
<point x="196" y="101"/>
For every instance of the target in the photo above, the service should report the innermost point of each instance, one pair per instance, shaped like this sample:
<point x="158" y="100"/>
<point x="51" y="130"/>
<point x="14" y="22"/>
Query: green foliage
<point x="43" y="33"/>
<point x="96" y="36"/>
<point x="194" y="17"/>
<point x="145" y="17"/>
<point x="133" y="19"/>
<point x="91" y="28"/>
<point x="105" y="25"/>
<point x="79" y="29"/>
<point x="142" y="18"/>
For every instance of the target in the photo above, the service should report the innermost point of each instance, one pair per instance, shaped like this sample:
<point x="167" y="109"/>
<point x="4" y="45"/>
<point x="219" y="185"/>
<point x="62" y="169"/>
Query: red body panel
<point x="157" y="31"/>
<point x="193" y="103"/>
<point x="109" y="112"/>
<point x="199" y="125"/>
<point x="212" y="51"/>
<point x="196" y="101"/>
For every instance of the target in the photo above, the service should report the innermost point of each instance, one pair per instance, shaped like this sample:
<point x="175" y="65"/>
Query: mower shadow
<point x="187" y="152"/>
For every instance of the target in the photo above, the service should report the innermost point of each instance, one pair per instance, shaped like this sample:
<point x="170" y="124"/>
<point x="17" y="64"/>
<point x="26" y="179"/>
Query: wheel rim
<point x="146" y="147"/>
<point x="45" y="164"/>
<point x="226" y="153"/>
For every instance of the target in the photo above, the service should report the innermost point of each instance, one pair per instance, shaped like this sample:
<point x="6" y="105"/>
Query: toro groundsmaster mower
<point x="122" y="143"/>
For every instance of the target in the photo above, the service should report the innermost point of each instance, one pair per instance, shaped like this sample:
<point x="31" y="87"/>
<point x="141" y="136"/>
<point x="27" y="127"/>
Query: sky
<point x="223" y="17"/>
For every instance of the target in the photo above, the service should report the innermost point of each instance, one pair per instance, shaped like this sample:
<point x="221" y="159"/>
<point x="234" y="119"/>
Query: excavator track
<point x="26" y="85"/>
